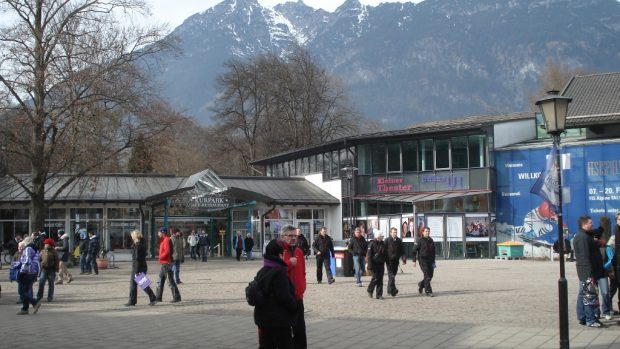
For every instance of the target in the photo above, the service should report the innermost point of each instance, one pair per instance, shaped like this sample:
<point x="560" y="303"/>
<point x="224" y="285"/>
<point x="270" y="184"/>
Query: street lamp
<point x="349" y="171"/>
<point x="554" y="109"/>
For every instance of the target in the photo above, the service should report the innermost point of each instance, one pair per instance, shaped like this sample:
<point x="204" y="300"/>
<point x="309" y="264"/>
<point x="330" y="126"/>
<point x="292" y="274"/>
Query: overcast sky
<point x="174" y="12"/>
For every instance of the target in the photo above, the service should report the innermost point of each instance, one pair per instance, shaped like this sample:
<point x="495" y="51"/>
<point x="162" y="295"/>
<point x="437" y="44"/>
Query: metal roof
<point x="278" y="190"/>
<point x="95" y="188"/>
<point x="139" y="188"/>
<point x="473" y="123"/>
<point x="596" y="100"/>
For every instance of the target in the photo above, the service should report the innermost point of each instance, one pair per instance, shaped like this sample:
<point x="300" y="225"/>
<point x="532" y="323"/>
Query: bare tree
<point x="554" y="77"/>
<point x="270" y="104"/>
<point x="72" y="99"/>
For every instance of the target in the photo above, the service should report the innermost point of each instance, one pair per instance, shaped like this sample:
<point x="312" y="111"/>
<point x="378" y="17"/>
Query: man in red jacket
<point x="293" y="256"/>
<point x="165" y="259"/>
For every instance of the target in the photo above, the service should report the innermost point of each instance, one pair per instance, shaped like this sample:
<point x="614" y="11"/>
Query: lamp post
<point x="349" y="170"/>
<point x="554" y="109"/>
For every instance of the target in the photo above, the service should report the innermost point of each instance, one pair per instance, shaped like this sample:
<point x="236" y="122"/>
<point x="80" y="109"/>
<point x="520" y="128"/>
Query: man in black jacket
<point x="424" y="252"/>
<point x="323" y="246"/>
<point x="358" y="246"/>
<point x="395" y="252"/>
<point x="588" y="268"/>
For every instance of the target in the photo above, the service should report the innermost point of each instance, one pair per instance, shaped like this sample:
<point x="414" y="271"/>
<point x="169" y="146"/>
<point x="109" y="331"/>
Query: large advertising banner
<point x="591" y="182"/>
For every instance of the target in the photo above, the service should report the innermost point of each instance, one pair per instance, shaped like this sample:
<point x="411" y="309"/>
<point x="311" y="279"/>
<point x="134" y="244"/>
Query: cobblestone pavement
<point x="477" y="304"/>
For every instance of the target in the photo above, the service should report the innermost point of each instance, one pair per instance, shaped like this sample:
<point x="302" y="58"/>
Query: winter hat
<point x="50" y="242"/>
<point x="273" y="249"/>
<point x="163" y="230"/>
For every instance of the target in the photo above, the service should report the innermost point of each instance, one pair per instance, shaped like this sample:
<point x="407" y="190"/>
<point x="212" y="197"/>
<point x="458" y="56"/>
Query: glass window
<point x="364" y="159"/>
<point x="56" y="213"/>
<point x="335" y="169"/>
<point x="305" y="167"/>
<point x="318" y="214"/>
<point x="240" y="215"/>
<point x="303" y="214"/>
<point x="459" y="152"/>
<point x="120" y="233"/>
<point x="378" y="158"/>
<point x="426" y="155"/>
<point x="123" y="213"/>
<point x="319" y="163"/>
<point x="477" y="151"/>
<point x="410" y="156"/>
<point x="7" y="214"/>
<point x="22" y="213"/>
<point x="442" y="154"/>
<point x="393" y="157"/>
<point x="269" y="170"/>
<point x="312" y="163"/>
<point x="327" y="159"/>
<point x="86" y="213"/>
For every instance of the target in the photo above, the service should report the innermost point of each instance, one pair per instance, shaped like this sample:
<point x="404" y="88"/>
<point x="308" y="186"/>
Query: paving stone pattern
<point x="477" y="304"/>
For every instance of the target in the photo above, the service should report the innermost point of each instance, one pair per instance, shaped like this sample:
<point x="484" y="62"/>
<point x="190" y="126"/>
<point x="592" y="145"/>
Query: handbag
<point x="14" y="271"/>
<point x="142" y="280"/>
<point x="590" y="293"/>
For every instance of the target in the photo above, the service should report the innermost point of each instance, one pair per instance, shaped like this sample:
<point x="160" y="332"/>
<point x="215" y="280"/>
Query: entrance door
<point x="436" y="225"/>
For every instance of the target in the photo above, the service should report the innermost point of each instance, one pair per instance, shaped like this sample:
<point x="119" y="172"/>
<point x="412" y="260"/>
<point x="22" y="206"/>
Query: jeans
<point x="24" y="288"/>
<point x="192" y="252"/>
<point x="585" y="313"/>
<point x="205" y="253"/>
<point x="91" y="263"/>
<point x="392" y="269"/>
<point x="428" y="271"/>
<point x="176" y="269"/>
<point x="359" y="264"/>
<point x="603" y="287"/>
<point x="84" y="267"/>
<point x="48" y="276"/>
<point x="166" y="272"/>
<point x="248" y="255"/>
<point x="323" y="261"/>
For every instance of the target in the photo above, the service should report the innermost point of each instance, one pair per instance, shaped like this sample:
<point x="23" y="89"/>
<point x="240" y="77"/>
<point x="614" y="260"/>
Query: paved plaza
<point x="477" y="304"/>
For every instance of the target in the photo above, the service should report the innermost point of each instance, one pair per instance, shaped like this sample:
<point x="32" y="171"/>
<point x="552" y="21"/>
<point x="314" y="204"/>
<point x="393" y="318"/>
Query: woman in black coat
<point x="275" y="317"/>
<point x="138" y="265"/>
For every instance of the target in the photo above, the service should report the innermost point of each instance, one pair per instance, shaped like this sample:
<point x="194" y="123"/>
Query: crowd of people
<point x="598" y="264"/>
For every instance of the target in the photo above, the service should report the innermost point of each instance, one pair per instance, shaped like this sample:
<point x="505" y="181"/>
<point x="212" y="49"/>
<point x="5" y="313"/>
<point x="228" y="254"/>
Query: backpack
<point x="257" y="291"/>
<point x="48" y="259"/>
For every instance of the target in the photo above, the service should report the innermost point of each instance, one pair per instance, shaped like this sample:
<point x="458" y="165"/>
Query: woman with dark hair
<point x="275" y="317"/>
<point x="138" y="265"/>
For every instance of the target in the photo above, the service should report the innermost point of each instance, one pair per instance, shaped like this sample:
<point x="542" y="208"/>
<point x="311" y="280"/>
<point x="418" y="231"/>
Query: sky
<point x="174" y="12"/>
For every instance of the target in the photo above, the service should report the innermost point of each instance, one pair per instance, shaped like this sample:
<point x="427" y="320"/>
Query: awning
<point x="417" y="197"/>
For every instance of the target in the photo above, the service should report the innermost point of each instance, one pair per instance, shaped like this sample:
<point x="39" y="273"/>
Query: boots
<point x="158" y="294"/>
<point x="152" y="298"/>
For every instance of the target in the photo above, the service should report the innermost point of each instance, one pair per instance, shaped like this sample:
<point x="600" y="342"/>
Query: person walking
<point x="238" y="245"/>
<point x="249" y="245"/>
<point x="165" y="260"/>
<point x="204" y="244"/>
<point x="275" y="317"/>
<point x="395" y="252"/>
<point x="424" y="253"/>
<point x="63" y="250"/>
<point x="28" y="272"/>
<point x="377" y="255"/>
<point x="293" y="256"/>
<point x="93" y="251"/>
<point x="138" y="265"/>
<point x="178" y="254"/>
<point x="602" y="281"/>
<point x="323" y="248"/>
<point x="49" y="267"/>
<point x="357" y="247"/>
<point x="192" y="240"/>
<point x="84" y="263"/>
<point x="614" y="245"/>
<point x="587" y="270"/>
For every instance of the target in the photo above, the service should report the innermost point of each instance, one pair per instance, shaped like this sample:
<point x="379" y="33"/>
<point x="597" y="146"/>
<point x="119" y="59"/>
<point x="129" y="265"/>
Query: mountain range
<point x="402" y="63"/>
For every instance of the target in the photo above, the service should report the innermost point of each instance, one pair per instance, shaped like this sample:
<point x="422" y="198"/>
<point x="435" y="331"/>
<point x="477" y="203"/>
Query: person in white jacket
<point x="192" y="240"/>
